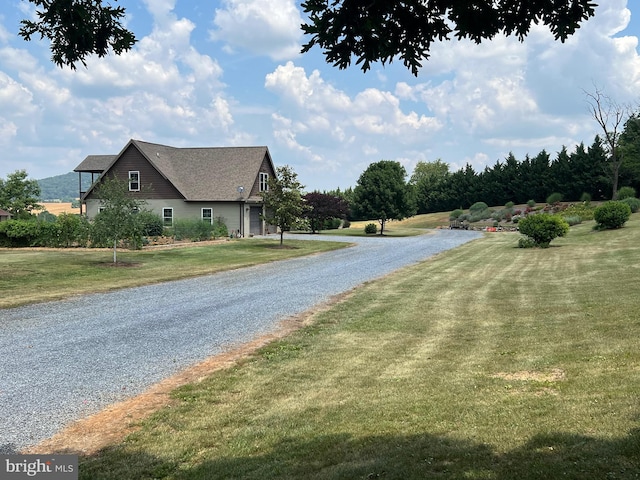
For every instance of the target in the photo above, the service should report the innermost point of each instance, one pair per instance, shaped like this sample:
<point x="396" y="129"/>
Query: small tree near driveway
<point x="383" y="194"/>
<point x="283" y="202"/>
<point x="118" y="218"/>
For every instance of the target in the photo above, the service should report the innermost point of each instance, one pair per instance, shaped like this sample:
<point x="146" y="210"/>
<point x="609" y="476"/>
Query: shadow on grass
<point x="551" y="456"/>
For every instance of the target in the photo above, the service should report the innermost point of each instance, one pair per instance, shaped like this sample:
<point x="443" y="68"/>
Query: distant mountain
<point x="62" y="187"/>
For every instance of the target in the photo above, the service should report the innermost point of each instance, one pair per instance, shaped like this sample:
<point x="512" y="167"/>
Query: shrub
<point x="572" y="219"/>
<point x="542" y="228"/>
<point x="220" y="228"/>
<point x="526" y="242"/>
<point x="19" y="233"/>
<point x="152" y="224"/>
<point x="582" y="210"/>
<point x="585" y="198"/>
<point x="626" y="192"/>
<point x="478" y="207"/>
<point x="554" y="198"/>
<point x="370" y="228"/>
<point x="509" y="205"/>
<point x="72" y="230"/>
<point x="480" y="215"/>
<point x="193" y="229"/>
<point x="498" y="215"/>
<point x="331" y="224"/>
<point x="346" y="224"/>
<point x="611" y="215"/>
<point x="634" y="203"/>
<point x="455" y="214"/>
<point x="531" y="203"/>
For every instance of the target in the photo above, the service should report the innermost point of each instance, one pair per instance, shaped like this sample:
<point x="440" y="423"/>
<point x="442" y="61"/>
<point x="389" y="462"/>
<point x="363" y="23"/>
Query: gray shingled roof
<point x="95" y="163"/>
<point x="203" y="174"/>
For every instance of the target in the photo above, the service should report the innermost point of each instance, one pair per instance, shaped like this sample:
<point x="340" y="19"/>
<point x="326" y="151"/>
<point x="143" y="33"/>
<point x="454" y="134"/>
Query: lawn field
<point x="485" y="362"/>
<point x="29" y="275"/>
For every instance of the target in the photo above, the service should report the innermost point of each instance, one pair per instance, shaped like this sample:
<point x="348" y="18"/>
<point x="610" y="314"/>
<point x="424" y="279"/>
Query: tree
<point x="428" y="179"/>
<point x="322" y="207"/>
<point x="78" y="28"/>
<point x="19" y="196"/>
<point x="118" y="219"/>
<point x="380" y="30"/>
<point x="370" y="30"/>
<point x="630" y="148"/>
<point x="283" y="202"/>
<point x="383" y="194"/>
<point x="610" y="117"/>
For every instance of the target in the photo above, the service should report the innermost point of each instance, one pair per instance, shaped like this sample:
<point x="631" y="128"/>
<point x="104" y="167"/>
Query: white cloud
<point x="263" y="27"/>
<point x="469" y="104"/>
<point x="322" y="106"/>
<point x="8" y="130"/>
<point x="15" y="98"/>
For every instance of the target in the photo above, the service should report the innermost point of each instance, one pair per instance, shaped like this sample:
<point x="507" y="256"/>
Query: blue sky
<point x="229" y="73"/>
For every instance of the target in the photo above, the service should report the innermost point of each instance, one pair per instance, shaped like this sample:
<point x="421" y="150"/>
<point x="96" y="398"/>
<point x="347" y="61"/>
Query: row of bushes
<point x="540" y="229"/>
<point x="68" y="230"/>
<point x="197" y="230"/>
<point x="573" y="214"/>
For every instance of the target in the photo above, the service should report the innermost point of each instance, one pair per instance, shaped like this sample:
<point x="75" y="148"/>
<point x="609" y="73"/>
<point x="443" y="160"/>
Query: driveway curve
<point x="65" y="360"/>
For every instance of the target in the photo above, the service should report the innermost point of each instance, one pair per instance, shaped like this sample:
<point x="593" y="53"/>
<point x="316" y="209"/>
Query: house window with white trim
<point x="134" y="181"/>
<point x="207" y="215"/>
<point x="264" y="185"/>
<point x="167" y="217"/>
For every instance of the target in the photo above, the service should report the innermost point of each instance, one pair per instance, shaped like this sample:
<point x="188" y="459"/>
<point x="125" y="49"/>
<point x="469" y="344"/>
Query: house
<point x="4" y="215"/>
<point x="187" y="183"/>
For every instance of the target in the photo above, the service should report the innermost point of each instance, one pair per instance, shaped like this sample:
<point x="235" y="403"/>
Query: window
<point x="134" y="181"/>
<point x="207" y="215"/>
<point x="167" y="217"/>
<point x="264" y="177"/>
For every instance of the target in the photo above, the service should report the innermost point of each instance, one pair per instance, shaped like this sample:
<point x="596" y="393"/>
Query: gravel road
<point x="62" y="361"/>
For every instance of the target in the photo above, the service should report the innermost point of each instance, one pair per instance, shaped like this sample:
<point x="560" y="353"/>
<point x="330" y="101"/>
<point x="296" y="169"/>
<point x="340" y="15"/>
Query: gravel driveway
<point x="65" y="360"/>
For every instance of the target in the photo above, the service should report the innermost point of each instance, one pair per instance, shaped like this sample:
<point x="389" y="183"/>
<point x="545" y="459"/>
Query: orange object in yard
<point x="491" y="229"/>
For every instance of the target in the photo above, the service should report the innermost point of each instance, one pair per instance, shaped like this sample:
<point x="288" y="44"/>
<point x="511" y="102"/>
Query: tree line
<point x="586" y="173"/>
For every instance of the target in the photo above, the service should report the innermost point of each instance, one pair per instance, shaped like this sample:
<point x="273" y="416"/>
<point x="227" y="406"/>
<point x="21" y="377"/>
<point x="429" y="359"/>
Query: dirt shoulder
<point x="114" y="423"/>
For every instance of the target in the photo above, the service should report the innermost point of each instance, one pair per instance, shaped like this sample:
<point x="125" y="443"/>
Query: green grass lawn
<point x="35" y="275"/>
<point x="485" y="362"/>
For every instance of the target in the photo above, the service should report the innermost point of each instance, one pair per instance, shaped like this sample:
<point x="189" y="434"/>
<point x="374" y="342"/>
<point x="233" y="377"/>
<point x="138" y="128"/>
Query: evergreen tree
<point x="428" y="179"/>
<point x="562" y="176"/>
<point x="599" y="166"/>
<point x="630" y="148"/>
